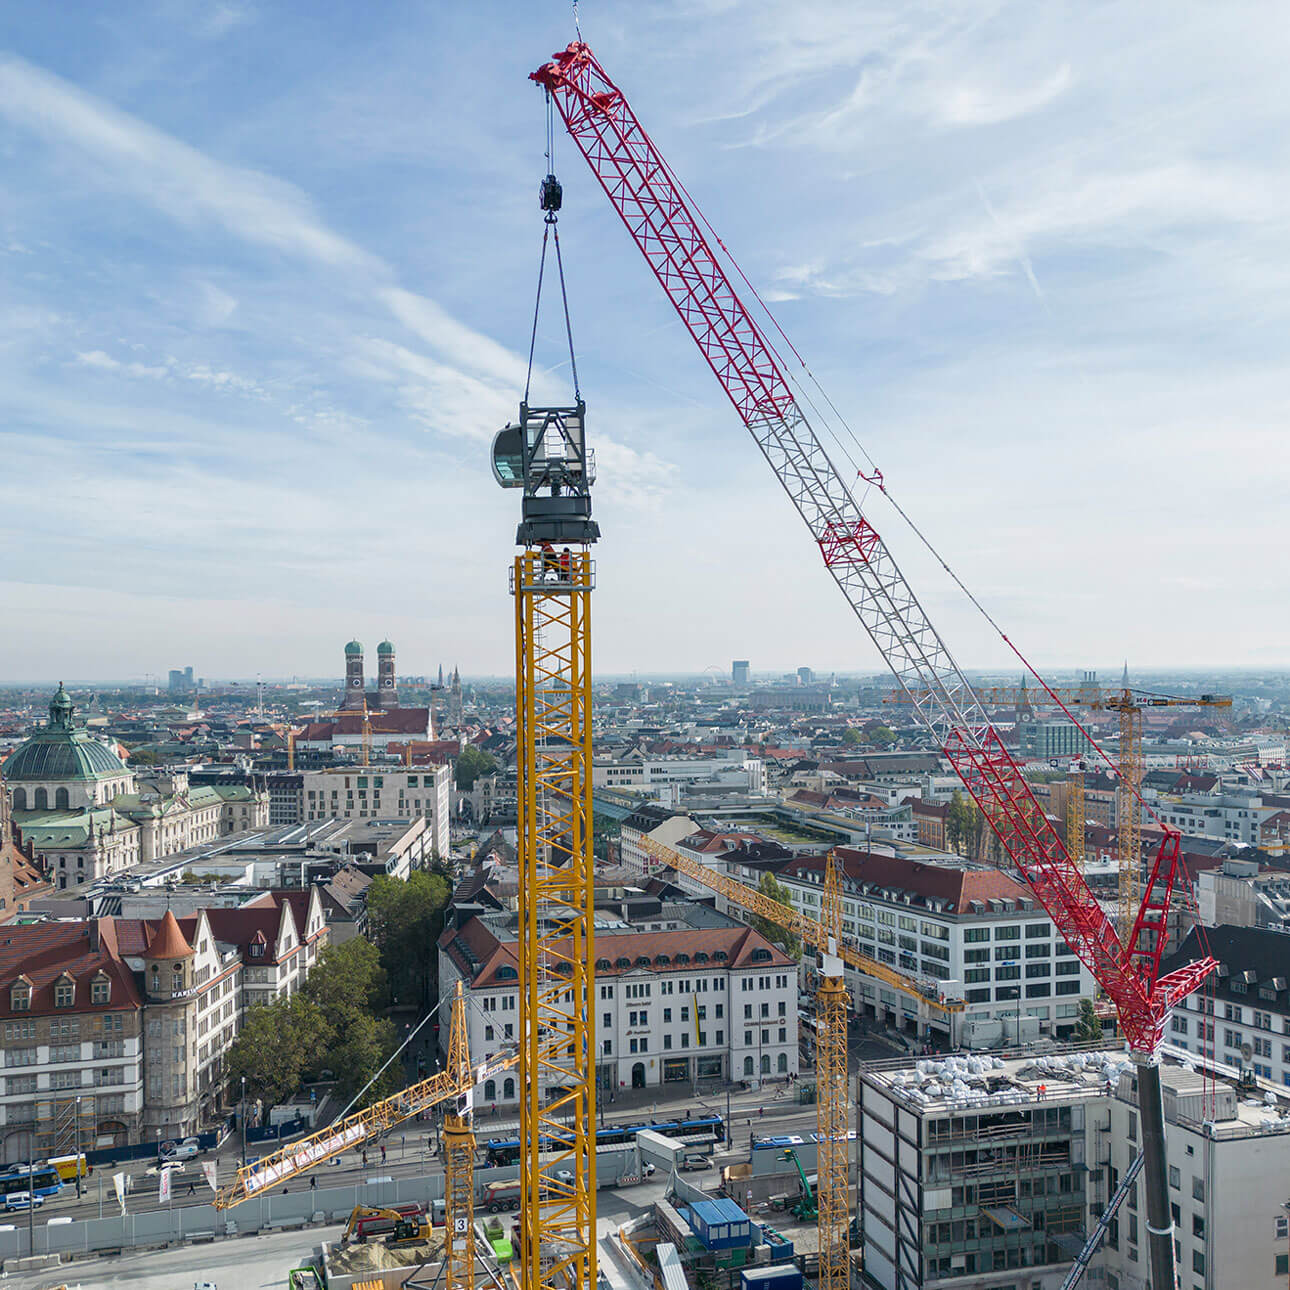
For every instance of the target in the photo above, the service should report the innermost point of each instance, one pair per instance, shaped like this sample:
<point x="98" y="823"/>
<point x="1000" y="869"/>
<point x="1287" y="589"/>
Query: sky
<point x="267" y="276"/>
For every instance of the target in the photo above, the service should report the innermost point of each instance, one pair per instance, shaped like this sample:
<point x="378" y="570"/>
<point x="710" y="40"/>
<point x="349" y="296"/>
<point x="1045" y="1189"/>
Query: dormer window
<point x="257" y="950"/>
<point x="20" y="996"/>
<point x="100" y="990"/>
<point x="64" y="993"/>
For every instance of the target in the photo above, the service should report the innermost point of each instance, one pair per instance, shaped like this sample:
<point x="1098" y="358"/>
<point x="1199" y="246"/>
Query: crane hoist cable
<point x="551" y="197"/>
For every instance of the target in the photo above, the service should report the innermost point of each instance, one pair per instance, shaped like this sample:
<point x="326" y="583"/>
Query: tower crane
<point x="546" y="454"/>
<point x="660" y="218"/>
<point x="1130" y="703"/>
<point x="457" y="1079"/>
<point x="830" y="1201"/>
<point x="812" y="932"/>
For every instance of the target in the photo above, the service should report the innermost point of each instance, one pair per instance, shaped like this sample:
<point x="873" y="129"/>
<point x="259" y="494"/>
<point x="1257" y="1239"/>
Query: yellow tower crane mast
<point x="459" y="1161"/>
<point x="545" y="454"/>
<point x="831" y="1094"/>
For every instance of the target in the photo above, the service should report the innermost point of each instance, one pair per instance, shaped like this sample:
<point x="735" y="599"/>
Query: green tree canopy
<point x="852" y="736"/>
<point x="404" y="919"/>
<point x="1088" y="1029"/>
<point x="770" y="929"/>
<point x="960" y="823"/>
<point x="473" y="762"/>
<point x="878" y="733"/>
<point x="278" y="1044"/>
<point x="347" y="979"/>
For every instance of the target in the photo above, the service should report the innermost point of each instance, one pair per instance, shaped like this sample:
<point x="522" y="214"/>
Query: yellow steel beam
<point x="354" y="1130"/>
<point x="1075" y="818"/>
<point x="785" y="916"/>
<point x="557" y="953"/>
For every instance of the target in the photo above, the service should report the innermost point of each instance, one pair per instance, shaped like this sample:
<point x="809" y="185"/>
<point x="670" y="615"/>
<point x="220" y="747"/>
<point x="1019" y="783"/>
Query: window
<point x="65" y="1053"/>
<point x="976" y="934"/>
<point x="1198" y="1189"/>
<point x="20" y="997"/>
<point x="1198" y="1261"/>
<point x="1012" y="932"/>
<point x="1175" y="1177"/>
<point x="1035" y="931"/>
<point x="20" y="1057"/>
<point x="64" y="994"/>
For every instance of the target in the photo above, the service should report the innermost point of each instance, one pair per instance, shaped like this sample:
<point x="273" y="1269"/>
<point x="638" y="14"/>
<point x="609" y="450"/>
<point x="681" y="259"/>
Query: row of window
<point x="64" y="992"/>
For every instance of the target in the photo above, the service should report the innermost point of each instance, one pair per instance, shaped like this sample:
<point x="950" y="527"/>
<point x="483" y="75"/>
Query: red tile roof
<point x="45" y="952"/>
<point x="738" y="944"/>
<point x="168" y="941"/>
<point x="957" y="888"/>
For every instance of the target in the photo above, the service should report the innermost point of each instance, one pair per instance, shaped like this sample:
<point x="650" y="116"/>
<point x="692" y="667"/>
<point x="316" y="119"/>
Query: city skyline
<point x="269" y="285"/>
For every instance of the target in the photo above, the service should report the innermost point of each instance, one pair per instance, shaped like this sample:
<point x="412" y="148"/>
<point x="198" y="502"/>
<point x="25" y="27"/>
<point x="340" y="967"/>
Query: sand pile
<point x="375" y="1256"/>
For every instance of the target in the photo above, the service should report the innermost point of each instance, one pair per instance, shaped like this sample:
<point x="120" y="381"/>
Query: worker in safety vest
<point x="550" y="561"/>
<point x="566" y="564"/>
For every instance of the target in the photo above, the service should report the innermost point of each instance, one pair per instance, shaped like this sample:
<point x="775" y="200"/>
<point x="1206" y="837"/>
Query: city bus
<point x="43" y="1180"/>
<point x="69" y="1166"/>
<point x="698" y="1132"/>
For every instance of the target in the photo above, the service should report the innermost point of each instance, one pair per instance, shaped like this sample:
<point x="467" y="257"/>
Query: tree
<point x="473" y="762"/>
<point x="960" y="822"/>
<point x="771" y="930"/>
<point x="143" y="757"/>
<point x="347" y="980"/>
<point x="1088" y="1029"/>
<point x="279" y="1042"/>
<point x="877" y="733"/>
<point x="852" y="736"/>
<point x="404" y="919"/>
<point x="359" y="1052"/>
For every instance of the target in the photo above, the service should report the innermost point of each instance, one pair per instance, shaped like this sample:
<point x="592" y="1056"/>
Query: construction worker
<point x="550" y="561"/>
<point x="566" y="564"/>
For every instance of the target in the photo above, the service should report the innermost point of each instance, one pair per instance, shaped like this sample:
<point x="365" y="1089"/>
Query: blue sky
<point x="267" y="275"/>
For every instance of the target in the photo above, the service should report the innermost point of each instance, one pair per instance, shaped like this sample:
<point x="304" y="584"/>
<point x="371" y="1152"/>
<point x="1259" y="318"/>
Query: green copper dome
<point x="385" y="647"/>
<point x="60" y="751"/>
<point x="354" y="647"/>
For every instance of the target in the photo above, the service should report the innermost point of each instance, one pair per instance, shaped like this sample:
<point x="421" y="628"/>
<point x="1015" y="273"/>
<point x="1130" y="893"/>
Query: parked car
<point x="563" y="1176"/>
<point x="694" y="1160"/>
<point x="184" y="1150"/>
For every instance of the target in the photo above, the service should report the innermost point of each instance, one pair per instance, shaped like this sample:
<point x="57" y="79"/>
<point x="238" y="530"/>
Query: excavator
<point x="408" y="1224"/>
<point x="805" y="1206"/>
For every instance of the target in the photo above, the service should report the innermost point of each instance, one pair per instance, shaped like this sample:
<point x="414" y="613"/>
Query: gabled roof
<point x="44" y="952"/>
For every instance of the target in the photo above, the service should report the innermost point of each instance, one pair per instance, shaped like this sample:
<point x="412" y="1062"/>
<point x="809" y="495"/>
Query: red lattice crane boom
<point x="659" y="216"/>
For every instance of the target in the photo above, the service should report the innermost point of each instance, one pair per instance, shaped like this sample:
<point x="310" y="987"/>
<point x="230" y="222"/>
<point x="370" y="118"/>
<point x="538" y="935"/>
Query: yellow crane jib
<point x="812" y="933"/>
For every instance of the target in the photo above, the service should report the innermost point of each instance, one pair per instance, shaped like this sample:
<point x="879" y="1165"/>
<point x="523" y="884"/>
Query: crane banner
<point x="163" y="1188"/>
<point x="118" y="1181"/>
<point x="209" y="1168"/>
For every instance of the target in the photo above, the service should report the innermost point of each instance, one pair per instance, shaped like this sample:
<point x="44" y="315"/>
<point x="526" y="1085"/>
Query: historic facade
<point x="82" y="813"/>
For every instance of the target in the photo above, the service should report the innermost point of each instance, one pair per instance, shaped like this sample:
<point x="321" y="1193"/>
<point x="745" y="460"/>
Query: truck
<point x="496" y="1197"/>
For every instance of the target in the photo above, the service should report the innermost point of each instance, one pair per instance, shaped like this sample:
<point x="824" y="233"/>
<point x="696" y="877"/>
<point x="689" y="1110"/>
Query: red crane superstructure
<point x="659" y="216"/>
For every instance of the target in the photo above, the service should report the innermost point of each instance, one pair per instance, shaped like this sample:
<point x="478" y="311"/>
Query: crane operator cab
<point x="546" y="455"/>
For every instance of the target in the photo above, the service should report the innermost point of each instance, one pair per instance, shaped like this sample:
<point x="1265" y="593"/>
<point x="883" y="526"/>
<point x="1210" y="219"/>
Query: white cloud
<point x="172" y="175"/>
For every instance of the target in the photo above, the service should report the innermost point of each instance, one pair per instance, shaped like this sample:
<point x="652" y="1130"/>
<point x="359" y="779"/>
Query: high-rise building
<point x="805" y="676"/>
<point x="740" y="671"/>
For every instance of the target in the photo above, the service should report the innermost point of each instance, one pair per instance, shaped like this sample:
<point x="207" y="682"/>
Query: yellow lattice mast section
<point x="459" y="1162"/>
<point x="1128" y="817"/>
<point x="552" y="578"/>
<point x="1075" y="817"/>
<point x="831" y="1094"/>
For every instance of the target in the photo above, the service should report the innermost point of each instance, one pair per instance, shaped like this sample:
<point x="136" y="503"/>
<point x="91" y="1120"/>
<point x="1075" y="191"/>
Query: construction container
<point x="720" y="1224"/>
<point x="775" y="1276"/>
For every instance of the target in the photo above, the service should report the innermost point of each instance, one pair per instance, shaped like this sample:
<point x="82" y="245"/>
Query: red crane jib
<point x="659" y="216"/>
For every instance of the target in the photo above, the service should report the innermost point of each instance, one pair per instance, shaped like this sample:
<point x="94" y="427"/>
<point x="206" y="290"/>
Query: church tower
<point x="387" y="692"/>
<point x="355" y="700"/>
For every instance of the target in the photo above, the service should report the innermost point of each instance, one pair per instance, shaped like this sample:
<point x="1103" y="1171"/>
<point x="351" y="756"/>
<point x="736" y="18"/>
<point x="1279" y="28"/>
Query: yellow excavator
<point x="402" y="1226"/>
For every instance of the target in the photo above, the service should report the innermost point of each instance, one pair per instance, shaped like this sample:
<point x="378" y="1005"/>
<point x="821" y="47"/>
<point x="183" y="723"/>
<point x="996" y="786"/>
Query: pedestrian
<point x="761" y="1110"/>
<point x="191" y="1188"/>
<point x="313" y="1184"/>
<point x="382" y="1152"/>
<point x="364" y="1157"/>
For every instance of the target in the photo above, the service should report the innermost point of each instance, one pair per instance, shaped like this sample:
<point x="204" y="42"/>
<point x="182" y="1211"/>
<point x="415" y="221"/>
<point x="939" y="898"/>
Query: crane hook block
<point x="551" y="194"/>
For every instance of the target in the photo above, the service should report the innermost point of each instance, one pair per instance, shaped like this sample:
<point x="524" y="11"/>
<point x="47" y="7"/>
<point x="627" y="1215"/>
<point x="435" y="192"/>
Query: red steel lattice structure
<point x="659" y="216"/>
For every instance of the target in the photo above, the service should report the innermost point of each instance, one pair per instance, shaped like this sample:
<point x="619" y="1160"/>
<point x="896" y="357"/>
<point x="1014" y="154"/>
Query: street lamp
<point x="78" y="1148"/>
<point x="243" y="1121"/>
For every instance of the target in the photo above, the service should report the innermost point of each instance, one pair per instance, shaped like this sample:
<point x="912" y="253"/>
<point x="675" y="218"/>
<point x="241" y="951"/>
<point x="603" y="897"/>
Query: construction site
<point x="1118" y="1160"/>
<point x="847" y="1205"/>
